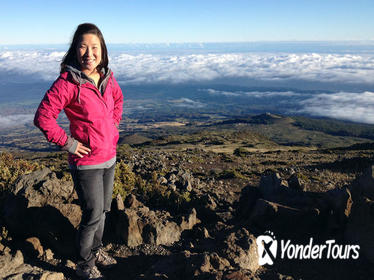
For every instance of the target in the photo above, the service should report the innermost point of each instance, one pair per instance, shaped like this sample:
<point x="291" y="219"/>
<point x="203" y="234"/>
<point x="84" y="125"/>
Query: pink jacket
<point x="94" y="117"/>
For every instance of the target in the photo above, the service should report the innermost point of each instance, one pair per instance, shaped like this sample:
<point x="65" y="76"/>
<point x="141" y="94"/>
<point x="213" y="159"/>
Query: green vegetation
<point x="124" y="180"/>
<point x="230" y="174"/>
<point x="11" y="169"/>
<point x="241" y="152"/>
<point x="336" y="127"/>
<point x="150" y="191"/>
<point x="160" y="196"/>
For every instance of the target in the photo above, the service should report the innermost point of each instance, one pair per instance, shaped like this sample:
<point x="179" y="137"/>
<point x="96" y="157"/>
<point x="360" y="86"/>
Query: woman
<point x="92" y="100"/>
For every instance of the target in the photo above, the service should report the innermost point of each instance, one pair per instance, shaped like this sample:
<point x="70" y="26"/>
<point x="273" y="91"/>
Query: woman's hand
<point x="81" y="150"/>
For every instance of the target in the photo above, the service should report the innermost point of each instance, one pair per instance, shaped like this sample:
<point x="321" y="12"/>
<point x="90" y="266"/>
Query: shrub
<point x="11" y="169"/>
<point x="149" y="190"/>
<point x="124" y="180"/>
<point x="160" y="196"/>
<point x="230" y="174"/>
<point x="241" y="152"/>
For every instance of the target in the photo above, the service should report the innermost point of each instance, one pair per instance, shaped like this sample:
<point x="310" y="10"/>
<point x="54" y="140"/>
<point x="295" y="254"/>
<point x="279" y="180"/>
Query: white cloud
<point x="256" y="94"/>
<point x="15" y="120"/>
<point x="44" y="64"/>
<point x="220" y="92"/>
<point x="260" y="94"/>
<point x="186" y="102"/>
<point x="147" y="68"/>
<point x="342" y="105"/>
<point x="199" y="67"/>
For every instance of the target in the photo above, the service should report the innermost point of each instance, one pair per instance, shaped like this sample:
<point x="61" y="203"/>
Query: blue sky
<point x="141" y="21"/>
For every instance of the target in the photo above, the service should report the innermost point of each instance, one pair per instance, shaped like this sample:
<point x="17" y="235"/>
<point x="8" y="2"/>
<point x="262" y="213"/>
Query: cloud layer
<point x="186" y="102"/>
<point x="352" y="106"/>
<point x="20" y="65"/>
<point x="342" y="105"/>
<point x="149" y="68"/>
<point x="15" y="120"/>
<point x="44" y="64"/>
<point x="311" y="67"/>
<point x="256" y="94"/>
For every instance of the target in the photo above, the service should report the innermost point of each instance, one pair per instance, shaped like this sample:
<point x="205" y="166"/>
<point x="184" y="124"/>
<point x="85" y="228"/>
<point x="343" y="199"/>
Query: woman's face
<point x="89" y="53"/>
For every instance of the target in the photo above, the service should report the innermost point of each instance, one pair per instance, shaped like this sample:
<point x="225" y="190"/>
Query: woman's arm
<point x="54" y="101"/>
<point x="118" y="102"/>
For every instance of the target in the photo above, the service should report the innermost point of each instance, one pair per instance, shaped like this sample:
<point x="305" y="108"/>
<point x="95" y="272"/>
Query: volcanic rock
<point x="12" y="266"/>
<point x="40" y="206"/>
<point x="364" y="185"/>
<point x="241" y="250"/>
<point x="282" y="219"/>
<point x="139" y="224"/>
<point x="360" y="227"/>
<point x="34" y="247"/>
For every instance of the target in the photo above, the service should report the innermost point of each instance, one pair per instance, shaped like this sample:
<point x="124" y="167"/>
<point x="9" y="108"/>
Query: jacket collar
<point x="81" y="78"/>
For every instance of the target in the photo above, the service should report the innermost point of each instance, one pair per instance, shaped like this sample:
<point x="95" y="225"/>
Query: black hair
<point x="70" y="58"/>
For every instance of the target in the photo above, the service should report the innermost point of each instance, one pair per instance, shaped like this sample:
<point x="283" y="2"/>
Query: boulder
<point x="360" y="227"/>
<point x="273" y="188"/>
<point x="119" y="203"/>
<point x="208" y="263"/>
<point x="294" y="182"/>
<point x="52" y="276"/>
<point x="248" y="198"/>
<point x="42" y="187"/>
<point x="70" y="211"/>
<point x="40" y="205"/>
<point x="339" y="204"/>
<point x="218" y="263"/>
<point x="187" y="265"/>
<point x="33" y="247"/>
<point x="209" y="202"/>
<point x="12" y="267"/>
<point x="364" y="185"/>
<point x="282" y="219"/>
<point x="157" y="227"/>
<point x="139" y="224"/>
<point x="131" y="202"/>
<point x="172" y="187"/>
<point x="189" y="221"/>
<point x="128" y="228"/>
<point x="9" y="263"/>
<point x="270" y="183"/>
<point x="162" y="180"/>
<point x="48" y="255"/>
<point x="172" y="178"/>
<point x="278" y="206"/>
<point x="184" y="181"/>
<point x="240" y="249"/>
<point x="236" y="275"/>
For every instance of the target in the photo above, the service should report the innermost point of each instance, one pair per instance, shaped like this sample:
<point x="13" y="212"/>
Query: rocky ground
<point x="194" y="208"/>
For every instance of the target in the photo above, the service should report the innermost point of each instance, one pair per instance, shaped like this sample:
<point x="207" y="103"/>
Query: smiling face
<point x="89" y="53"/>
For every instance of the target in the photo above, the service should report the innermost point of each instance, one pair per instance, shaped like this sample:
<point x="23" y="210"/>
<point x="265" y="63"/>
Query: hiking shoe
<point x="89" y="273"/>
<point x="103" y="260"/>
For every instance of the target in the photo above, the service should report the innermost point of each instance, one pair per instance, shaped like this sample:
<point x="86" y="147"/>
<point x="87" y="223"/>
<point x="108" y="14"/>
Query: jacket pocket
<point x="100" y="135"/>
<point x="115" y="135"/>
<point x="80" y="133"/>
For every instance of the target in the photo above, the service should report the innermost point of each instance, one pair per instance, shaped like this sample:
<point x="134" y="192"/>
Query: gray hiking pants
<point x="94" y="188"/>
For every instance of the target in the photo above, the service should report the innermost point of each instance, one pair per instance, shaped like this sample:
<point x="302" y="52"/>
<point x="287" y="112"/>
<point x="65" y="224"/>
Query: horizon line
<point x="358" y="41"/>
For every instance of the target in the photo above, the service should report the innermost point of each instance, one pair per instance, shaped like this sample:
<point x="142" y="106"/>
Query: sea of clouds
<point x="151" y="68"/>
<point x="147" y="68"/>
<point x="19" y="119"/>
<point x="352" y="106"/>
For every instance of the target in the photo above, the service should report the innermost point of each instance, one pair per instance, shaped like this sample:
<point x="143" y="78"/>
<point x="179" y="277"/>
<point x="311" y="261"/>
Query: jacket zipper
<point x="98" y="93"/>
